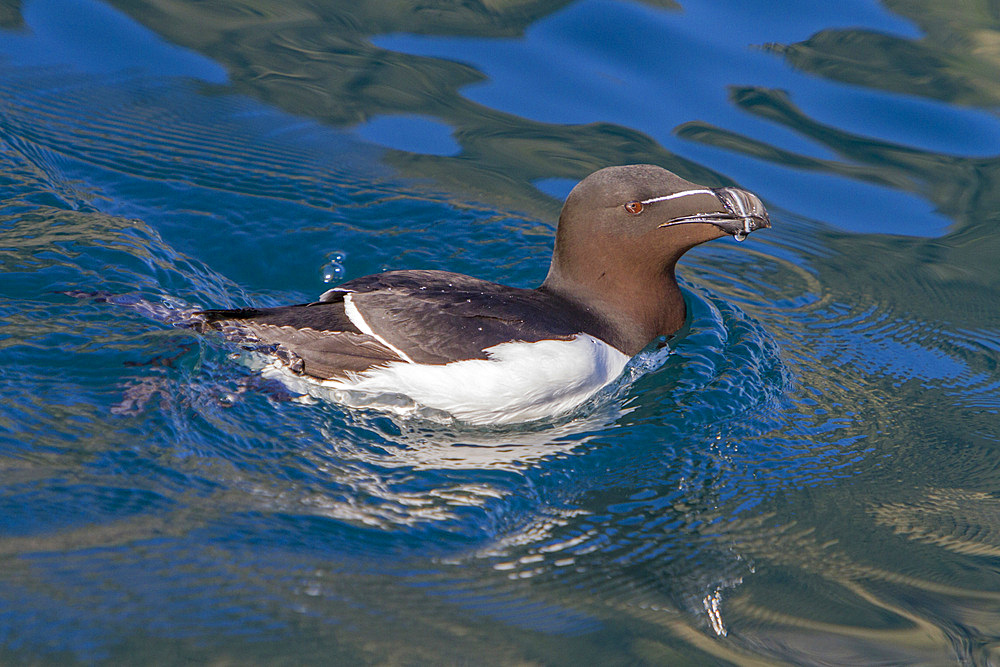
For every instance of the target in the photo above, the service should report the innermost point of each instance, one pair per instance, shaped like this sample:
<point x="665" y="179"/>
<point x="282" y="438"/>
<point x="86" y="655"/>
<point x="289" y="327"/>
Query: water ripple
<point x="777" y="452"/>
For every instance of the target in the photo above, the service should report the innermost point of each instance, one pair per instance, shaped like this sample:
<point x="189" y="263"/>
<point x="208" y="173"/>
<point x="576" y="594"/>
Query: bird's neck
<point x="632" y="311"/>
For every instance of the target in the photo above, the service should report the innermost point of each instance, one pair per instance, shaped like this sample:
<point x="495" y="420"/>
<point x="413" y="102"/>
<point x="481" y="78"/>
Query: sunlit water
<point x="808" y="473"/>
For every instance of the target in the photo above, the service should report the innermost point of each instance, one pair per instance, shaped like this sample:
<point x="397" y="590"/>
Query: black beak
<point x="744" y="213"/>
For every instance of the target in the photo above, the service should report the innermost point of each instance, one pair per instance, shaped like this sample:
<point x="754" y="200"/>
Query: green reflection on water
<point x="958" y="60"/>
<point x="10" y="14"/>
<point x="317" y="60"/>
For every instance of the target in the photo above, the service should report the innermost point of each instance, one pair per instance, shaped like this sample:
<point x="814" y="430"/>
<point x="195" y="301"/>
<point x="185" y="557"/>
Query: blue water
<point x="807" y="475"/>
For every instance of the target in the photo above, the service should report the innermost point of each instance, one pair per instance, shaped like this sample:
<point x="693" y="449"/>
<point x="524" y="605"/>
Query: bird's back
<point x="423" y="317"/>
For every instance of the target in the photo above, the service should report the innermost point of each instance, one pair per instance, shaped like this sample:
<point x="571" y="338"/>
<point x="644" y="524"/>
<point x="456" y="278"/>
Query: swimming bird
<point x="487" y="353"/>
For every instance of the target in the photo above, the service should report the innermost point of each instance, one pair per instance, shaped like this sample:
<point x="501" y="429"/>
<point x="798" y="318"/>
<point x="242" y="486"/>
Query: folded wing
<point x="432" y="317"/>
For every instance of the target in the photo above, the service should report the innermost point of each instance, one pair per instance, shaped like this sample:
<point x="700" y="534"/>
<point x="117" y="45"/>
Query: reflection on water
<point x="808" y="474"/>
<point x="320" y="61"/>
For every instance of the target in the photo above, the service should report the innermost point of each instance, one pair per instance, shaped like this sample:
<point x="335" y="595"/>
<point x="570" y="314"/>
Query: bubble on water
<point x="712" y="604"/>
<point x="334" y="267"/>
<point x="332" y="271"/>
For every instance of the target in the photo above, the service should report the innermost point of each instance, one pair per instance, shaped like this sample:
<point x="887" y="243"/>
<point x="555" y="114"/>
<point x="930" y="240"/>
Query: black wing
<point x="436" y="317"/>
<point x="316" y="339"/>
<point x="433" y="317"/>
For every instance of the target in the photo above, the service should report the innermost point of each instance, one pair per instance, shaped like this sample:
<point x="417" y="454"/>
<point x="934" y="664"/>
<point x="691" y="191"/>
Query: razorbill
<point x="486" y="353"/>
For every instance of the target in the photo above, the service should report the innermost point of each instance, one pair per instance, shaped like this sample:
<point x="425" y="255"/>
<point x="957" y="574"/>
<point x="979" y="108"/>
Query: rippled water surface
<point x="810" y="473"/>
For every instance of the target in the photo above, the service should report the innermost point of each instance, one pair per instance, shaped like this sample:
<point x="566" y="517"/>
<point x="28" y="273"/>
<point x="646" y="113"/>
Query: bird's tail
<point x="222" y="314"/>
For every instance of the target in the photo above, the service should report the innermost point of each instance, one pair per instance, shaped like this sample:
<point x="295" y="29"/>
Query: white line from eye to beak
<point x="682" y="193"/>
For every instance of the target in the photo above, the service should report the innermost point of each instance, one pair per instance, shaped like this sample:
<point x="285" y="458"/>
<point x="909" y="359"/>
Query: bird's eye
<point x="634" y="207"/>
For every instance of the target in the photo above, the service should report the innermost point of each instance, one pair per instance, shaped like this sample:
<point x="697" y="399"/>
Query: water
<point x="808" y="475"/>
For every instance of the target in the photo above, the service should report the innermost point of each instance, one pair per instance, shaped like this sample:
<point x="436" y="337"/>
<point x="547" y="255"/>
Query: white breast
<point x="519" y="382"/>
